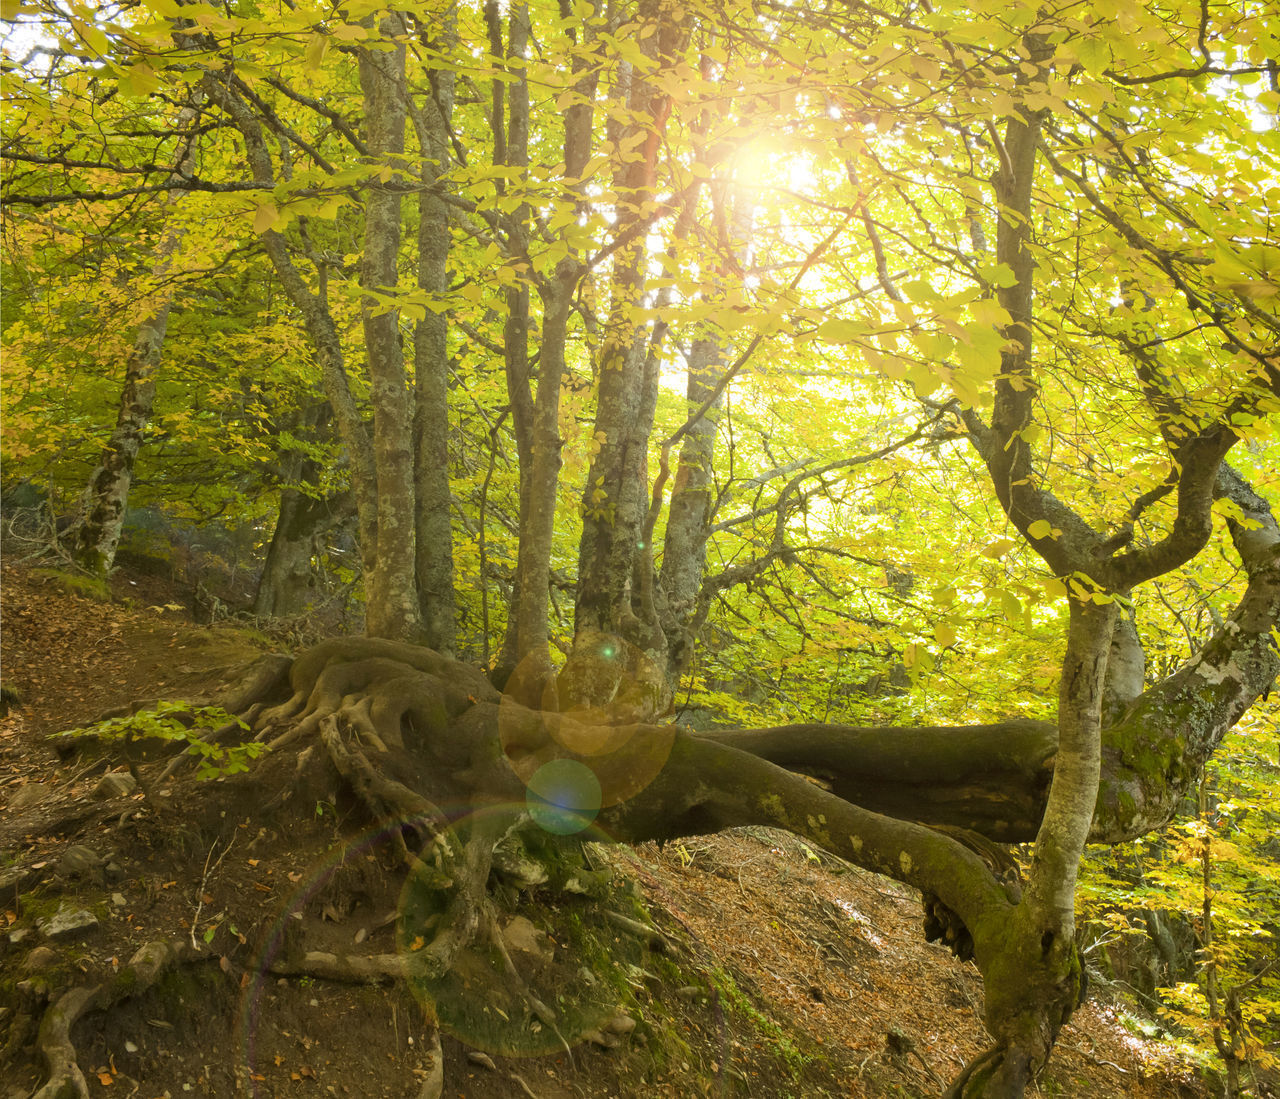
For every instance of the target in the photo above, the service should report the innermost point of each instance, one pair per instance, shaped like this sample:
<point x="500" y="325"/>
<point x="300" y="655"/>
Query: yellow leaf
<point x="944" y="634"/>
<point x="997" y="549"/>
<point x="317" y="47"/>
<point x="265" y="217"/>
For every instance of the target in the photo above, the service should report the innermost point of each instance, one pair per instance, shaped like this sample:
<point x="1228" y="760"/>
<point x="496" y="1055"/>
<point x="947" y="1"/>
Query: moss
<point x="739" y="1003"/>
<point x="35" y="906"/>
<point x="77" y="583"/>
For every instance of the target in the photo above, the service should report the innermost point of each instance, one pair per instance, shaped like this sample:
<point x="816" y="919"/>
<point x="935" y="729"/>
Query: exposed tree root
<point x="345" y="968"/>
<point x="146" y="967"/>
<point x="446" y="767"/>
<point x="385" y="798"/>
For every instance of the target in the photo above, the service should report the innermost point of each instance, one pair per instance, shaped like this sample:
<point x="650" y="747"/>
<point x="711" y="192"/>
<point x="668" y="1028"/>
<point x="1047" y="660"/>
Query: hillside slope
<point x="772" y="969"/>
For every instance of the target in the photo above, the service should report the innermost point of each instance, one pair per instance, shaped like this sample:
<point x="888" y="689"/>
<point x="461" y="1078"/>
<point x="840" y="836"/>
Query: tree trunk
<point x="537" y="418"/>
<point x="286" y="578"/>
<point x="510" y="126"/>
<point x="316" y="316"/>
<point x="684" y="555"/>
<point x="106" y="496"/>
<point x="1031" y="967"/>
<point x="433" y="535"/>
<point x="614" y="499"/>
<point x="391" y="593"/>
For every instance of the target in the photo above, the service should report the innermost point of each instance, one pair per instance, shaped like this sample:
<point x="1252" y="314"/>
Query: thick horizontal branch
<point x="991" y="779"/>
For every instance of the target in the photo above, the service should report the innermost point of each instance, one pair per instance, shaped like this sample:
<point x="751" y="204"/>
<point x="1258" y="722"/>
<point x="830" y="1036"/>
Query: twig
<point x="204" y="880"/>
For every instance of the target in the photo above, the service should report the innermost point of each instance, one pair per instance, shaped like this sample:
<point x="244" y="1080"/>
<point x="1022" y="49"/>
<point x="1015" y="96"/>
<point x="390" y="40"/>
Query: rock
<point x="42" y="957"/>
<point x="118" y="900"/>
<point x="114" y="871"/>
<point x="68" y="922"/>
<point x="15" y="937"/>
<point x="115" y="784"/>
<point x="622" y="1023"/>
<point x="521" y="937"/>
<point x="14" y="877"/>
<point x="517" y="867"/>
<point x="28" y="796"/>
<point x="79" y="861"/>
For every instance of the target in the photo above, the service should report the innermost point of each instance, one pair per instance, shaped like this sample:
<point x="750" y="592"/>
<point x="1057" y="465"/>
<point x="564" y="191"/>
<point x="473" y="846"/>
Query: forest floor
<point x="786" y="971"/>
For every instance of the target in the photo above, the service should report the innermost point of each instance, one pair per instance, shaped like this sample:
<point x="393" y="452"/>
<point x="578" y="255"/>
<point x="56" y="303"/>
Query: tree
<point x="1011" y="226"/>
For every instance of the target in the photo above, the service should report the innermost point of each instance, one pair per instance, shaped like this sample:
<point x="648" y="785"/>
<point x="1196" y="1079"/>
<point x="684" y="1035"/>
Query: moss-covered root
<point x="147" y="966"/>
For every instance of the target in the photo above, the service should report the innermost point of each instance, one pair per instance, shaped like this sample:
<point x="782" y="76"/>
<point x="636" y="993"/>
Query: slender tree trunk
<point x="537" y="421"/>
<point x="538" y="507"/>
<point x="1033" y="979"/>
<point x="615" y="498"/>
<point x="106" y="496"/>
<point x="392" y="597"/>
<point x="510" y="126"/>
<point x="684" y="553"/>
<point x="286" y="574"/>
<point x="316" y="316"/>
<point x="287" y="577"/>
<point x="433" y="517"/>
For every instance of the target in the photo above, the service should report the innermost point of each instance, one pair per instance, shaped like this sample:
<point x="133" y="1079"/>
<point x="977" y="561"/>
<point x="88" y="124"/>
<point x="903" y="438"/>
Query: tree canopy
<point x="889" y="393"/>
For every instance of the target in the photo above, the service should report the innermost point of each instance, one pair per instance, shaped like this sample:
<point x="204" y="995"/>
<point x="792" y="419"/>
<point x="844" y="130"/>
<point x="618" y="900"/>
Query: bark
<point x="97" y="535"/>
<point x="615" y="497"/>
<point x="537" y="419"/>
<point x="510" y="127"/>
<point x="316" y="315"/>
<point x="391" y="593"/>
<point x="107" y="495"/>
<point x="685" y="597"/>
<point x="538" y="508"/>
<point x="684" y="550"/>
<point x="287" y="579"/>
<point x="304" y="513"/>
<point x="1126" y="669"/>
<point x="991" y="779"/>
<point x="1033" y="980"/>
<point x="433" y="534"/>
<point x="1148" y="771"/>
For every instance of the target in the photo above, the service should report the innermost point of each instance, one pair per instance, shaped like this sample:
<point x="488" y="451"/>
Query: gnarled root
<point x="400" y="682"/>
<point x="146" y="967"/>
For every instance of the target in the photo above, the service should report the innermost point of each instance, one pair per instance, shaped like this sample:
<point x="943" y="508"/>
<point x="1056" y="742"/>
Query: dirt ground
<point x="775" y="970"/>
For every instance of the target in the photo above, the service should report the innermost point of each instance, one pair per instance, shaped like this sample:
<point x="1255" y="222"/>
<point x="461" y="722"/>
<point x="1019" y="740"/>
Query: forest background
<point x="870" y="366"/>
